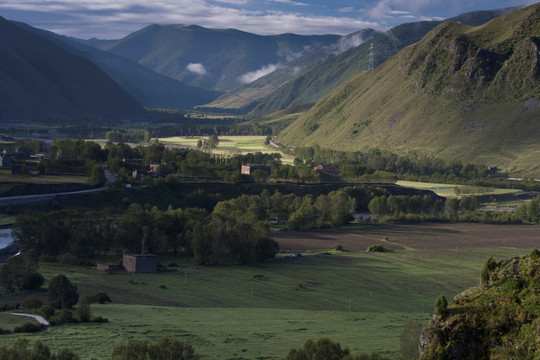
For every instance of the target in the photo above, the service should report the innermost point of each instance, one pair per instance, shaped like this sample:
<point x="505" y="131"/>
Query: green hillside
<point x="498" y="320"/>
<point x="461" y="92"/>
<point x="40" y="80"/>
<point x="210" y="58"/>
<point x="310" y="86"/>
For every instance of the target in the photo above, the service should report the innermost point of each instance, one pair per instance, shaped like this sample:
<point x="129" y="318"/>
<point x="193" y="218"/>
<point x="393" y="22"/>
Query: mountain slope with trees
<point x="218" y="59"/>
<point x="40" y="80"/>
<point x="461" y="92"/>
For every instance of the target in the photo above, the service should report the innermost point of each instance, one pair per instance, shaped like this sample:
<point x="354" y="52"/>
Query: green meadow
<point x="261" y="311"/>
<point x="229" y="145"/>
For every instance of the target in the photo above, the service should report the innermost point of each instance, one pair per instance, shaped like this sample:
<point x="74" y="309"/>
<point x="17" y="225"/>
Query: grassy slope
<point x="10" y="322"/>
<point x="412" y="102"/>
<point x="293" y="301"/>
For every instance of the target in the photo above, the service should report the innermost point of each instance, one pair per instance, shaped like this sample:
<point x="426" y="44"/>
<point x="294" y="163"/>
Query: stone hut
<point x="136" y="263"/>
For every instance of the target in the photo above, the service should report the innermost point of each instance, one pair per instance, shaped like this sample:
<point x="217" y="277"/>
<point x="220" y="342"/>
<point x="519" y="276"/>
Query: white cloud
<point x="196" y="68"/>
<point x="254" y="75"/>
<point x="233" y="2"/>
<point x="113" y="19"/>
<point x="289" y="2"/>
<point x="347" y="9"/>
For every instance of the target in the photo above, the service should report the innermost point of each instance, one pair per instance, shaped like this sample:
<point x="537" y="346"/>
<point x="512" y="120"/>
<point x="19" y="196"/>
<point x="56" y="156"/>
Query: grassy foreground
<point x="261" y="311"/>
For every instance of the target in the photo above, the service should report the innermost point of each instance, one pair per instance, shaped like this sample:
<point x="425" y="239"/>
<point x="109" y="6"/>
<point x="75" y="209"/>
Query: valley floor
<point x="260" y="311"/>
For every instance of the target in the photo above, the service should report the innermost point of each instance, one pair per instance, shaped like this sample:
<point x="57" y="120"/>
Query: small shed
<point x="136" y="263"/>
<point x="249" y="169"/>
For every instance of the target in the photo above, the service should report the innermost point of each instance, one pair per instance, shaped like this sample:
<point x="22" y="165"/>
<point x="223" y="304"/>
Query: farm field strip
<point x="449" y="190"/>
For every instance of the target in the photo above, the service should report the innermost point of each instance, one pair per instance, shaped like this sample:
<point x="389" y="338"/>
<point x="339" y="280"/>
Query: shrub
<point x="441" y="306"/>
<point x="47" y="311"/>
<point x="489" y="266"/>
<point x="339" y="248"/>
<point x="33" y="281"/>
<point x="99" y="319"/>
<point x="66" y="316"/>
<point x="535" y="254"/>
<point x="101" y="298"/>
<point x="28" y="327"/>
<point x="83" y="312"/>
<point x="376" y="248"/>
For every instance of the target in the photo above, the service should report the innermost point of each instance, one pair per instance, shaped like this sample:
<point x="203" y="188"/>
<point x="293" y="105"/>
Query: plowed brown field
<point x="424" y="236"/>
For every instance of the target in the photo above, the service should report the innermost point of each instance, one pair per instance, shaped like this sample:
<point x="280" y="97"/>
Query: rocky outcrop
<point x="497" y="320"/>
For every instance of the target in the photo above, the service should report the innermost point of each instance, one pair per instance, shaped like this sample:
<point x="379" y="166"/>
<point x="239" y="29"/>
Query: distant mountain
<point x="460" y="92"/>
<point x="149" y="88"/>
<point x="244" y="98"/>
<point x="309" y="86"/>
<point x="39" y="80"/>
<point x="211" y="58"/>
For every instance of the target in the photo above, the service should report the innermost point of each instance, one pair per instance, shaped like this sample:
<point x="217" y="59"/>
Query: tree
<point x="323" y="349"/>
<point x="31" y="303"/>
<point x="62" y="293"/>
<point x="213" y="141"/>
<point x="441" y="306"/>
<point x="97" y="176"/>
<point x="164" y="349"/>
<point x="12" y="273"/>
<point x="489" y="266"/>
<point x="20" y="350"/>
<point x="83" y="311"/>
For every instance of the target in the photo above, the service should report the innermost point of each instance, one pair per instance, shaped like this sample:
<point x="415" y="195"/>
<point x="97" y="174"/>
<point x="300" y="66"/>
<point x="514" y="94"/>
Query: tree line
<point x="235" y="231"/>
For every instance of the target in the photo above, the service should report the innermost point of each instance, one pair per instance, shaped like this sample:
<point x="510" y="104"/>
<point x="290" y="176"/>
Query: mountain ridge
<point x="149" y="88"/>
<point x="318" y="81"/>
<point x="41" y="81"/>
<point x="209" y="58"/>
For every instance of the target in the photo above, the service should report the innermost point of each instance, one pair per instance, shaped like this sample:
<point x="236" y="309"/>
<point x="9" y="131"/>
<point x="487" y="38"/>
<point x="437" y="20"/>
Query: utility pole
<point x="371" y="61"/>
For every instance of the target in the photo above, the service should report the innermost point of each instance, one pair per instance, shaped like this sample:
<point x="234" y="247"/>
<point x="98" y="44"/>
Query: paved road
<point x="28" y="199"/>
<point x="38" y="318"/>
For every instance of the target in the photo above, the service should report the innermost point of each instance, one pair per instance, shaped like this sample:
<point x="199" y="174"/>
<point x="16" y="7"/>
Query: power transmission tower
<point x="371" y="62"/>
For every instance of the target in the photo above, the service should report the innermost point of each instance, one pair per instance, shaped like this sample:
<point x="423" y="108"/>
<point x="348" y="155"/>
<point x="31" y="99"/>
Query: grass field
<point x="229" y="144"/>
<point x="7" y="177"/>
<point x="261" y="311"/>
<point x="10" y="322"/>
<point x="449" y="190"/>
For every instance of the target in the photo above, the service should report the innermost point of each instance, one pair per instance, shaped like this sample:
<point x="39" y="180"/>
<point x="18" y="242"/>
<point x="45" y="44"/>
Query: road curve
<point x="38" y="318"/>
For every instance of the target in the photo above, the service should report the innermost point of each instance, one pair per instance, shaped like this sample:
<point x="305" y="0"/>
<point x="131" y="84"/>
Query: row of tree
<point x="236" y="230"/>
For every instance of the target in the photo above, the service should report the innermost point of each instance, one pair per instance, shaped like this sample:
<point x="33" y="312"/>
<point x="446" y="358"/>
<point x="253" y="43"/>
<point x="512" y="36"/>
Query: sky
<point x="114" y="19"/>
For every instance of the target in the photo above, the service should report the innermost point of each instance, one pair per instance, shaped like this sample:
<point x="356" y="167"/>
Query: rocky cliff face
<point x="497" y="320"/>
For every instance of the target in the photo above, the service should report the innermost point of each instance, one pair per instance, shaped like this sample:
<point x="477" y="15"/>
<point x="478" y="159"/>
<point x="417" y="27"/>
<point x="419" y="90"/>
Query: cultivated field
<point x="452" y="190"/>
<point x="258" y="311"/>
